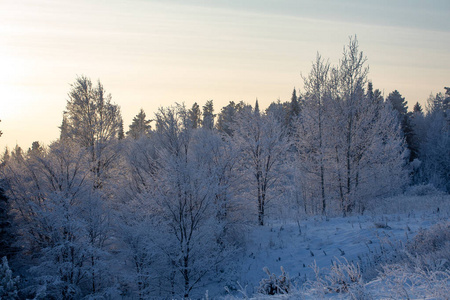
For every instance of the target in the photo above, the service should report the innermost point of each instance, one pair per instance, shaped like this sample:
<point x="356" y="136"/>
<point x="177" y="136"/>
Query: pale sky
<point x="149" y="54"/>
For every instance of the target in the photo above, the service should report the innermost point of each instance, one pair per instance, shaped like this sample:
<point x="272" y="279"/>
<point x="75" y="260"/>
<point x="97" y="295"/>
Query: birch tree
<point x="313" y="129"/>
<point x="92" y="121"/>
<point x="263" y="144"/>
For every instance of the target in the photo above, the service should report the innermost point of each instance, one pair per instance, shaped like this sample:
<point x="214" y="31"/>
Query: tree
<point x="8" y="284"/>
<point x="0" y="130"/>
<point x="140" y="126"/>
<point x="436" y="151"/>
<point x="61" y="219"/>
<point x="121" y="134"/>
<point x="374" y="95"/>
<point x="400" y="105"/>
<point x="360" y="140"/>
<point x="180" y="192"/>
<point x="417" y="108"/>
<point x="228" y="115"/>
<point x="208" y="115"/>
<point x="295" y="105"/>
<point x="93" y="122"/>
<point x="195" y="115"/>
<point x="436" y="142"/>
<point x="313" y="128"/>
<point x="281" y="111"/>
<point x="263" y="143"/>
<point x="7" y="238"/>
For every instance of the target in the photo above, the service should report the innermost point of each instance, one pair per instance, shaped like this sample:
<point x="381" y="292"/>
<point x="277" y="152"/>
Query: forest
<point x="164" y="208"/>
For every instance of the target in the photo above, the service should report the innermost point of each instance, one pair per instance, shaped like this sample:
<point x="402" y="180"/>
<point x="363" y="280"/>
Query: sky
<point x="149" y="54"/>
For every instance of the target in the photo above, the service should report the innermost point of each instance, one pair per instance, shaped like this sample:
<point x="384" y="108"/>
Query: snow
<point x="362" y="239"/>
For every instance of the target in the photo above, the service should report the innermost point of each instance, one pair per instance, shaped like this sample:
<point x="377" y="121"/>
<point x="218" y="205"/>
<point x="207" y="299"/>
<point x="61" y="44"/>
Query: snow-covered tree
<point x="8" y="283"/>
<point x="312" y="132"/>
<point x="263" y="143"/>
<point x="346" y="137"/>
<point x="181" y="191"/>
<point x="63" y="222"/>
<point x="92" y="121"/>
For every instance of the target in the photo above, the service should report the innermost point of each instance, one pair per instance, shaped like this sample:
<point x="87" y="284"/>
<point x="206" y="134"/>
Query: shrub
<point x="275" y="285"/>
<point x="430" y="249"/>
<point x="423" y="190"/>
<point x="341" y="278"/>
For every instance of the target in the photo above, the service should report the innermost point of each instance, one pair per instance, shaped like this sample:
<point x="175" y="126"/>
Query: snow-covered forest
<point x="343" y="187"/>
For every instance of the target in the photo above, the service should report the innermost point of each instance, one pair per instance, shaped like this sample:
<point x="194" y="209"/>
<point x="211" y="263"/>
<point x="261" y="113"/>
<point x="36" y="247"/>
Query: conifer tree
<point x="195" y="116"/>
<point x="295" y="105"/>
<point x="417" y="108"/>
<point x="208" y="115"/>
<point x="140" y="126"/>
<point x="400" y="105"/>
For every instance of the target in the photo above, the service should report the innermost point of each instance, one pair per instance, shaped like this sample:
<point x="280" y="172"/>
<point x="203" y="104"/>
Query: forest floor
<point x="315" y="243"/>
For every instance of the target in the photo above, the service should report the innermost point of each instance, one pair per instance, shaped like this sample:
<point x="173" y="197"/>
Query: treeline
<point x="159" y="210"/>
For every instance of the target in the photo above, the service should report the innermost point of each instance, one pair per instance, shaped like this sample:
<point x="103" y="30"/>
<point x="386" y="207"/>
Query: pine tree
<point x="295" y="105"/>
<point x="208" y="115"/>
<point x="140" y="126"/>
<point x="36" y="148"/>
<point x="417" y="108"/>
<point x="195" y="116"/>
<point x="400" y="105"/>
<point x="256" y="111"/>
<point x="121" y="134"/>
<point x="228" y="114"/>
<point x="226" y="118"/>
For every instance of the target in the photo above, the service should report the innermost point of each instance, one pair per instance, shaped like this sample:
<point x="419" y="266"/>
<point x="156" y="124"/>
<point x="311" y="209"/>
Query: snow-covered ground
<point x="367" y="241"/>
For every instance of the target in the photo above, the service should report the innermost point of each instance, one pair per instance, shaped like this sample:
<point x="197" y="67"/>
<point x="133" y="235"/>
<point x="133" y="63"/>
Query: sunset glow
<point x="152" y="53"/>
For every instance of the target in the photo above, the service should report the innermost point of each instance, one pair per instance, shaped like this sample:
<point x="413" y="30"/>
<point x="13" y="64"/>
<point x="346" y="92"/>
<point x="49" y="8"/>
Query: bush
<point x="425" y="271"/>
<point x="430" y="249"/>
<point x="405" y="282"/>
<point x="341" y="278"/>
<point x="423" y="190"/>
<point x="275" y="285"/>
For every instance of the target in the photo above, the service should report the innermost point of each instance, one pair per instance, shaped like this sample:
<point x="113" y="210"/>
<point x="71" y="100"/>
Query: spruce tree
<point x="400" y="105"/>
<point x="140" y="126"/>
<point x="417" y="108"/>
<point x="195" y="116"/>
<point x="208" y="115"/>
<point x="295" y="105"/>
